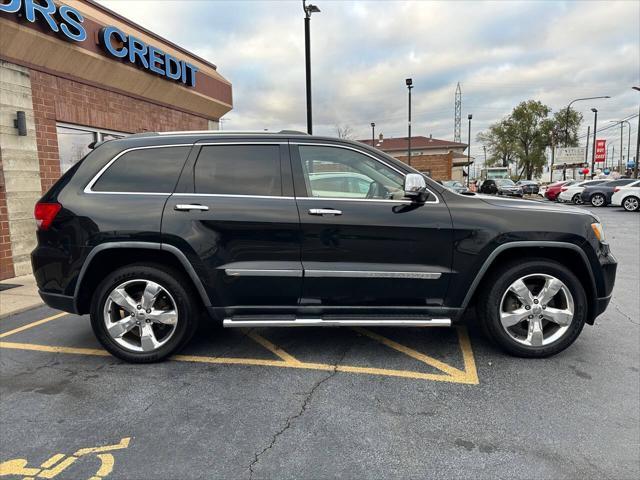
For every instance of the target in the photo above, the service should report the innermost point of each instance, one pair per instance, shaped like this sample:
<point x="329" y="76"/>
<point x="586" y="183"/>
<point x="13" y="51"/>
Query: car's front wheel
<point x="598" y="200"/>
<point x="631" y="204"/>
<point x="577" y="199"/>
<point x="534" y="308"/>
<point x="143" y="313"/>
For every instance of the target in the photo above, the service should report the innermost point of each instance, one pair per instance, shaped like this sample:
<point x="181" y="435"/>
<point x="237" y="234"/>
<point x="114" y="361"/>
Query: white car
<point x="573" y="193"/>
<point x="627" y="196"/>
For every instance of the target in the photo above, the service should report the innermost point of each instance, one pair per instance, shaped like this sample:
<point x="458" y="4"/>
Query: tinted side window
<point x="150" y="170"/>
<point x="239" y="170"/>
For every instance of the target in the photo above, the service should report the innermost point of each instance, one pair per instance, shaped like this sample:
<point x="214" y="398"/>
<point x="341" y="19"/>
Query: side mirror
<point x="415" y="187"/>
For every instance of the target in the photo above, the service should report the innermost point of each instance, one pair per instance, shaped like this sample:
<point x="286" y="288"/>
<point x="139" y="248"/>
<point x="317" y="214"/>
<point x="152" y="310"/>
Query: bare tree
<point x="344" y="132"/>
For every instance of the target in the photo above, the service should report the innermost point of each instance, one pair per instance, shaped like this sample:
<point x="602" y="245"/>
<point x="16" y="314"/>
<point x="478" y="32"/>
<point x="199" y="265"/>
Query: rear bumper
<point x="59" y="302"/>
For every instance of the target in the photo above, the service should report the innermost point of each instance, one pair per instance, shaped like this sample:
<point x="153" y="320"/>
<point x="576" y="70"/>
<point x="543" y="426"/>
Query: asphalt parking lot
<point x="326" y="403"/>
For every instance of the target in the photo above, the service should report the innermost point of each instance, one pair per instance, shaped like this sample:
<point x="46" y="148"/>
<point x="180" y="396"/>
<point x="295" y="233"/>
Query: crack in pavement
<point x="292" y="418"/>
<point x="624" y="314"/>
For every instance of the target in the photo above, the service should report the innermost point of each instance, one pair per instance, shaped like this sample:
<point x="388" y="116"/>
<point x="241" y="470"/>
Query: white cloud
<point x="501" y="52"/>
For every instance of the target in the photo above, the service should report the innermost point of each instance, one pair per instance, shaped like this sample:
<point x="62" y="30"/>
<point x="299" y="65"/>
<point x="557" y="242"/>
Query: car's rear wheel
<point x="535" y="308"/>
<point x="598" y="200"/>
<point x="143" y="313"/>
<point x="577" y="199"/>
<point x="631" y="204"/>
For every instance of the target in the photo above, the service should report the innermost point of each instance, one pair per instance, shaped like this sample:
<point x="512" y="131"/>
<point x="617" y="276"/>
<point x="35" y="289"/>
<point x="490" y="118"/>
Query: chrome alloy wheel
<point x="630" y="204"/>
<point x="536" y="310"/>
<point x="140" y="315"/>
<point x="597" y="200"/>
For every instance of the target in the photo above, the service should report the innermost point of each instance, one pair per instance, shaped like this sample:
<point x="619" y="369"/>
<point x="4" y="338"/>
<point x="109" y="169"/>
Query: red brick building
<point x="81" y="74"/>
<point x="440" y="159"/>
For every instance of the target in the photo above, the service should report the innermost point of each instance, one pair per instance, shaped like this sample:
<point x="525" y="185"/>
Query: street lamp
<point x="469" y="117"/>
<point x="373" y="134"/>
<point x="593" y="151"/>
<point x="308" y="10"/>
<point x="409" y="83"/>
<point x="635" y="168"/>
<point x="566" y="125"/>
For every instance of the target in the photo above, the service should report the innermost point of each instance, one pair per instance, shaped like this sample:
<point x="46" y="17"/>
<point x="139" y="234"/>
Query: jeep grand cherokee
<point x="148" y="231"/>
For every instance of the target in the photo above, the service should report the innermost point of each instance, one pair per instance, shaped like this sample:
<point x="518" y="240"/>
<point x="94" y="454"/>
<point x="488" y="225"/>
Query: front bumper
<point x="59" y="302"/>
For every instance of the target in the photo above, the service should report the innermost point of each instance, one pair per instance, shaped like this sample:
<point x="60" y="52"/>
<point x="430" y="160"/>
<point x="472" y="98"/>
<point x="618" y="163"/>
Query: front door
<point x="234" y="215"/>
<point x="363" y="244"/>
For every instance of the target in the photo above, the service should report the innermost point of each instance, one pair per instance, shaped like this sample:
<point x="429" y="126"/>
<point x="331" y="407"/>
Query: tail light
<point x="617" y="189"/>
<point x="45" y="213"/>
<point x="564" y="189"/>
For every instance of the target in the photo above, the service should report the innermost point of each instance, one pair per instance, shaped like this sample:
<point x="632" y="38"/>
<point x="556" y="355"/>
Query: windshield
<point x="505" y="182"/>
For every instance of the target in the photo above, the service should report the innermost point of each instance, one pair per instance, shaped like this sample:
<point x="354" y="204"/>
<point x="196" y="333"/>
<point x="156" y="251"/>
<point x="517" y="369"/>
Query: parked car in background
<point x="600" y="195"/>
<point x="488" y="187"/>
<point x="627" y="196"/>
<point x="508" y="187"/>
<point x="455" y="186"/>
<point x="552" y="191"/>
<point x="529" y="187"/>
<point x="349" y="184"/>
<point x="573" y="193"/>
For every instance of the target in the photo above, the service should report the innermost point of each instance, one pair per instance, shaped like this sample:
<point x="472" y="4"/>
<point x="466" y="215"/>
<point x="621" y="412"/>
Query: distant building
<point x="440" y="159"/>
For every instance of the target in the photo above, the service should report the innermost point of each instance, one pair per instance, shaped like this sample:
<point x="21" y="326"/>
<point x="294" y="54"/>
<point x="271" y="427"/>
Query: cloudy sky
<point x="501" y="53"/>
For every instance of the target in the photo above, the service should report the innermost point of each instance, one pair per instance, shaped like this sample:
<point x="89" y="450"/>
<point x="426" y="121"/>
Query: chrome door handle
<point x="324" y="211"/>
<point x="187" y="207"/>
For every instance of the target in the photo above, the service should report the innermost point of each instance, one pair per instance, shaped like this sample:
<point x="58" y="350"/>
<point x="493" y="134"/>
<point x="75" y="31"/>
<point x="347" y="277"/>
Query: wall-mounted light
<point x="21" y="123"/>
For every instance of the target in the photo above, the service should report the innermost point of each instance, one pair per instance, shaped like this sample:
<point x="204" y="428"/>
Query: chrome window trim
<point x="89" y="187"/>
<point x="230" y="195"/>
<point x="357" y="150"/>
<point x="371" y="274"/>
<point x="251" y="272"/>
<point x="370" y="200"/>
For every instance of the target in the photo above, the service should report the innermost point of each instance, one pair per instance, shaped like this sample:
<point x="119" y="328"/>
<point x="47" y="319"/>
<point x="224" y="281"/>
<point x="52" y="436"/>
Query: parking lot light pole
<point x="308" y="10"/>
<point x="635" y="168"/>
<point x="566" y="124"/>
<point x="593" y="151"/>
<point x="409" y="83"/>
<point x="469" y="150"/>
<point x="373" y="134"/>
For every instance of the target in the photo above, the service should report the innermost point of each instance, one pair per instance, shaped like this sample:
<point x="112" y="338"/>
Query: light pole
<point x="637" y="160"/>
<point x="373" y="134"/>
<point x="409" y="83"/>
<point x="593" y="151"/>
<point x="566" y="125"/>
<point x="308" y="10"/>
<point x="469" y="117"/>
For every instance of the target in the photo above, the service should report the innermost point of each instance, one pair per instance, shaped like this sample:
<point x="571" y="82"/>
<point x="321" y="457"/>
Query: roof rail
<point x="233" y="132"/>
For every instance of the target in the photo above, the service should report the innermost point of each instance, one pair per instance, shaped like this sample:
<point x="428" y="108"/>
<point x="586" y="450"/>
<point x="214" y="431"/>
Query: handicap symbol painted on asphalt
<point x="59" y="462"/>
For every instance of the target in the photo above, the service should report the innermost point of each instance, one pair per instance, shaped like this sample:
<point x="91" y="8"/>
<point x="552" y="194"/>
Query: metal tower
<point x="458" y="115"/>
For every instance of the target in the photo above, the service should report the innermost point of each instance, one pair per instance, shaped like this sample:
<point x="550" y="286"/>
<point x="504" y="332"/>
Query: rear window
<point x="239" y="170"/>
<point x="149" y="170"/>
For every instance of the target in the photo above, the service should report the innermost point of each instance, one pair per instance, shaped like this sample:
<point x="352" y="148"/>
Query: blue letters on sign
<point x="68" y="21"/>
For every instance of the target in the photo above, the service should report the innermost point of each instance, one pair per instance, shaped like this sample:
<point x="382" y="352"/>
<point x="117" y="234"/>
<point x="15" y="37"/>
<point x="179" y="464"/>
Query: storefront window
<point x="73" y="143"/>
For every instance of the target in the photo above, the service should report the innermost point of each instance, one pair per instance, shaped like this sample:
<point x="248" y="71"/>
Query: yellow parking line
<point x="271" y="347"/>
<point x="31" y="325"/>
<point x="421" y="357"/>
<point x="255" y="362"/>
<point x="471" y="372"/>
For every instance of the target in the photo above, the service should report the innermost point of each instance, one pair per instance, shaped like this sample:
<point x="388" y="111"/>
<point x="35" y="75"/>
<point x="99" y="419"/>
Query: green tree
<point x="502" y="152"/>
<point x="530" y="135"/>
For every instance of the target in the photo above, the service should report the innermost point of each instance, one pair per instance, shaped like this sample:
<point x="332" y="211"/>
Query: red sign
<point x="601" y="151"/>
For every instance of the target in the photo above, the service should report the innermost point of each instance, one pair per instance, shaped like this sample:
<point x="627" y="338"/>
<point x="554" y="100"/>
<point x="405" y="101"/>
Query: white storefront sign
<point x="569" y="155"/>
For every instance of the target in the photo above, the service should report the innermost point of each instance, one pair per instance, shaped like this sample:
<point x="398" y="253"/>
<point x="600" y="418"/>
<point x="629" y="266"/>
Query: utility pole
<point x="409" y="83"/>
<point x="308" y="10"/>
<point x="373" y="134"/>
<point x="593" y="151"/>
<point x="469" y="117"/>
<point x="637" y="159"/>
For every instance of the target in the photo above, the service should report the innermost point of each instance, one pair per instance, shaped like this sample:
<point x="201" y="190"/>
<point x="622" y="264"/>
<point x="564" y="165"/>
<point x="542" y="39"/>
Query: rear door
<point x="365" y="247"/>
<point x="234" y="215"/>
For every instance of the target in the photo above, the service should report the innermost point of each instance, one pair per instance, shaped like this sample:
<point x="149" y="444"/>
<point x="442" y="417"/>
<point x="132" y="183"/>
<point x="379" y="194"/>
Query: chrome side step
<point x="319" y="322"/>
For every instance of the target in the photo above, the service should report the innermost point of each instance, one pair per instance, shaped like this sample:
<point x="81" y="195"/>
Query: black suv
<point x="288" y="229"/>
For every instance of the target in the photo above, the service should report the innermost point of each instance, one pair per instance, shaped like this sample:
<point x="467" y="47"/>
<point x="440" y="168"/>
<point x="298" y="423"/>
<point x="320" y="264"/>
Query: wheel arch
<point x="568" y="254"/>
<point x="112" y="255"/>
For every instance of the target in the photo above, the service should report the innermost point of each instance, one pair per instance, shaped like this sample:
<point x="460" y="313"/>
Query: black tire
<point x="174" y="283"/>
<point x="631" y="203"/>
<point x="577" y="199"/>
<point x="598" y="200"/>
<point x="500" y="280"/>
